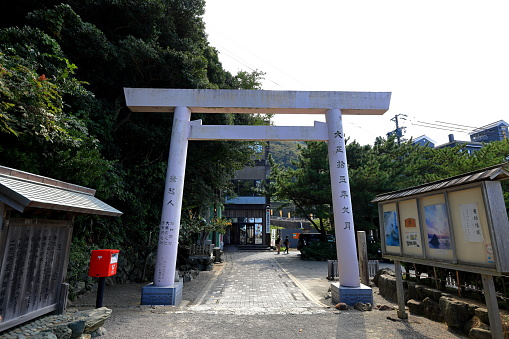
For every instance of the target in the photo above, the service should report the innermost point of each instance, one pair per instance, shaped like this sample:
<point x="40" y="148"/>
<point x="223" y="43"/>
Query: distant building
<point x="249" y="211"/>
<point x="470" y="146"/>
<point x="424" y="140"/>
<point x="493" y="132"/>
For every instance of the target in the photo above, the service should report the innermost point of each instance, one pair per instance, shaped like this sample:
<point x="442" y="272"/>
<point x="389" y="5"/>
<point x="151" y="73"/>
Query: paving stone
<point x="240" y="280"/>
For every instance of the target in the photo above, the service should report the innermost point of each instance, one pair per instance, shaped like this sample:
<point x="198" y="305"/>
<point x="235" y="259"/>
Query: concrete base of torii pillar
<point x="162" y="295"/>
<point x="351" y="295"/>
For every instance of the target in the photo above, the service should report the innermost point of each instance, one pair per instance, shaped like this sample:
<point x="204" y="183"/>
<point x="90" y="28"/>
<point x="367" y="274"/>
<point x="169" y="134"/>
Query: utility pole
<point x="399" y="130"/>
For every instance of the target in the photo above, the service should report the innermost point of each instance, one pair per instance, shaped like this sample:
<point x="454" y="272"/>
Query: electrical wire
<point x="461" y="128"/>
<point x="450" y="123"/>
<point x="245" y="63"/>
<point x="241" y="61"/>
<point x="440" y="126"/>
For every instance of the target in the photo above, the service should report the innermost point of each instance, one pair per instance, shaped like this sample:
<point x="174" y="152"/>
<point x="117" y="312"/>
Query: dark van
<point x="308" y="238"/>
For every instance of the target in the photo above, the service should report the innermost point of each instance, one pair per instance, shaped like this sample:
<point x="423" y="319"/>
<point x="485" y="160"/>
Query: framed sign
<point x="437" y="227"/>
<point x="472" y="234"/>
<point x="391" y="233"/>
<point x="458" y="223"/>
<point x="411" y="228"/>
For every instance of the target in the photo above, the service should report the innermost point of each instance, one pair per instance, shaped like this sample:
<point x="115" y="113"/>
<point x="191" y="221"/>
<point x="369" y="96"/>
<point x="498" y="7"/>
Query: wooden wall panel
<point x="34" y="262"/>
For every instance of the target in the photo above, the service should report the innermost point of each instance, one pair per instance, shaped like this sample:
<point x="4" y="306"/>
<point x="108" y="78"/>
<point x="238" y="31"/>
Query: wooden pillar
<point x="399" y="290"/>
<point x="492" y="305"/>
<point x="362" y="249"/>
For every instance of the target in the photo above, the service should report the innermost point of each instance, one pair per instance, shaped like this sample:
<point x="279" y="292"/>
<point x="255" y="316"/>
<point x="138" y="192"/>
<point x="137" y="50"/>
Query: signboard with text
<point x="463" y="227"/>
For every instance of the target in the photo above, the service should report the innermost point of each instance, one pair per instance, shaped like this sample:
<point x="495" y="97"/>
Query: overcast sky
<point x="446" y="62"/>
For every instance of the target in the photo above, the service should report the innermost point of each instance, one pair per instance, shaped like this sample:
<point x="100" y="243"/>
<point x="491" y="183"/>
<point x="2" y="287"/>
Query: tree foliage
<point x="285" y="153"/>
<point x="308" y="186"/>
<point x="381" y="168"/>
<point x="63" y="68"/>
<point x="38" y="129"/>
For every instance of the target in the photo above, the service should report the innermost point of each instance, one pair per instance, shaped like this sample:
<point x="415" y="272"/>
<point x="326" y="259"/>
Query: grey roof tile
<point x="30" y="190"/>
<point x="497" y="172"/>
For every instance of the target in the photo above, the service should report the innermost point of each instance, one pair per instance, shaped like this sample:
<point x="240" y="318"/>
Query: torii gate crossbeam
<point x="182" y="102"/>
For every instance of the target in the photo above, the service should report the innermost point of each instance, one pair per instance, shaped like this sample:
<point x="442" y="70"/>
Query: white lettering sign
<point x="471" y="223"/>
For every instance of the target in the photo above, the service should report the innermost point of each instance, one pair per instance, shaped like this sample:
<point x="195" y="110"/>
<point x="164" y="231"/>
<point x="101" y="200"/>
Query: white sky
<point x="444" y="61"/>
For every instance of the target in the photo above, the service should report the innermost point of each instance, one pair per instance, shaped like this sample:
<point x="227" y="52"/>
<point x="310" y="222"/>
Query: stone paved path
<point x="254" y="283"/>
<point x="259" y="292"/>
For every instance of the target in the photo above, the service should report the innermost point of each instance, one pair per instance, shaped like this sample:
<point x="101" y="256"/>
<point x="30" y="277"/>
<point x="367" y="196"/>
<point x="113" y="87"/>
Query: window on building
<point x="250" y="230"/>
<point x="505" y="132"/>
<point x="480" y="136"/>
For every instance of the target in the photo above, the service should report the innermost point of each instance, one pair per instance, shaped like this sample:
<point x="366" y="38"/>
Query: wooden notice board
<point x="464" y="227"/>
<point x="33" y="266"/>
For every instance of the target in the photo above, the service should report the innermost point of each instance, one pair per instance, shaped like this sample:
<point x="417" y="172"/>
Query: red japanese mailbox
<point x="103" y="263"/>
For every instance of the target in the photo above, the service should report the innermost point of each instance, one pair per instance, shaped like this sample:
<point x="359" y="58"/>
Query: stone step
<point x="253" y="248"/>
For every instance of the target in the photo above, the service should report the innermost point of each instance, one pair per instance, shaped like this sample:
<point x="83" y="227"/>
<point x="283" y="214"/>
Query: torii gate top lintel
<point x="256" y="101"/>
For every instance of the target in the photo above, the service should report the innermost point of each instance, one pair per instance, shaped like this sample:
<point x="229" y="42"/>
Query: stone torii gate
<point x="182" y="102"/>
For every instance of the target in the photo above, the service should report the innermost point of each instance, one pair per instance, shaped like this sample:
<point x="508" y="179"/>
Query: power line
<point x="450" y="123"/>
<point x="256" y="56"/>
<point x="436" y="127"/>
<point x="234" y="57"/>
<point x="467" y="129"/>
<point x="359" y="127"/>
<point x="441" y="126"/>
<point x="241" y="61"/>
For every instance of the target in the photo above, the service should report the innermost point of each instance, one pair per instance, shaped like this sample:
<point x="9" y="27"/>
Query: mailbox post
<point x="103" y="263"/>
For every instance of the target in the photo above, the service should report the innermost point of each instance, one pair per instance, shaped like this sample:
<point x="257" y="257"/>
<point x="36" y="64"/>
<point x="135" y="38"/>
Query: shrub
<point x="319" y="251"/>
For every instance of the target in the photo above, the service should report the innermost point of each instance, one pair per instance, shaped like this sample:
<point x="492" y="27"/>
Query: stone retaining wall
<point x="72" y="324"/>
<point x="468" y="316"/>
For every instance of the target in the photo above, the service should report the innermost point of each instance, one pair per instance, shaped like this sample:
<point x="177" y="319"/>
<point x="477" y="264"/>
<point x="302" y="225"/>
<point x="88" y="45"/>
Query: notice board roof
<point x="20" y="190"/>
<point x="497" y="172"/>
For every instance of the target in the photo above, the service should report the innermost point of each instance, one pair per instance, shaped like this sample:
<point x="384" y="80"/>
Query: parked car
<point x="308" y="238"/>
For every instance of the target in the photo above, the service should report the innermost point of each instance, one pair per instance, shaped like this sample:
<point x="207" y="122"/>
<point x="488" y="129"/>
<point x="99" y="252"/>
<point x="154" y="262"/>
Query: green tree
<point x="285" y="153"/>
<point x="154" y="43"/>
<point x="367" y="179"/>
<point x="37" y="128"/>
<point x="308" y="186"/>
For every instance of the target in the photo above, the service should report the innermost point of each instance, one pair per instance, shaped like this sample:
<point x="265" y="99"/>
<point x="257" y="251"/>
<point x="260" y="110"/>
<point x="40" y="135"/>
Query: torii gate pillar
<point x="165" y="290"/>
<point x="341" y="201"/>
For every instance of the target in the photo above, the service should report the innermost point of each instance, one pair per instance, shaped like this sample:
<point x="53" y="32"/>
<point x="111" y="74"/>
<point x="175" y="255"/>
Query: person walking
<point x="287" y="244"/>
<point x="278" y="244"/>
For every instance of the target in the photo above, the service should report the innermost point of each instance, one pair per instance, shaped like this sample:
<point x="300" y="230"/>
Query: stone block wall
<point x="72" y="324"/>
<point x="468" y="316"/>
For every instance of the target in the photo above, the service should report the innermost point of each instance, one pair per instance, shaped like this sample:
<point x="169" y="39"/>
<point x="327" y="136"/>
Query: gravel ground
<point x="131" y="320"/>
